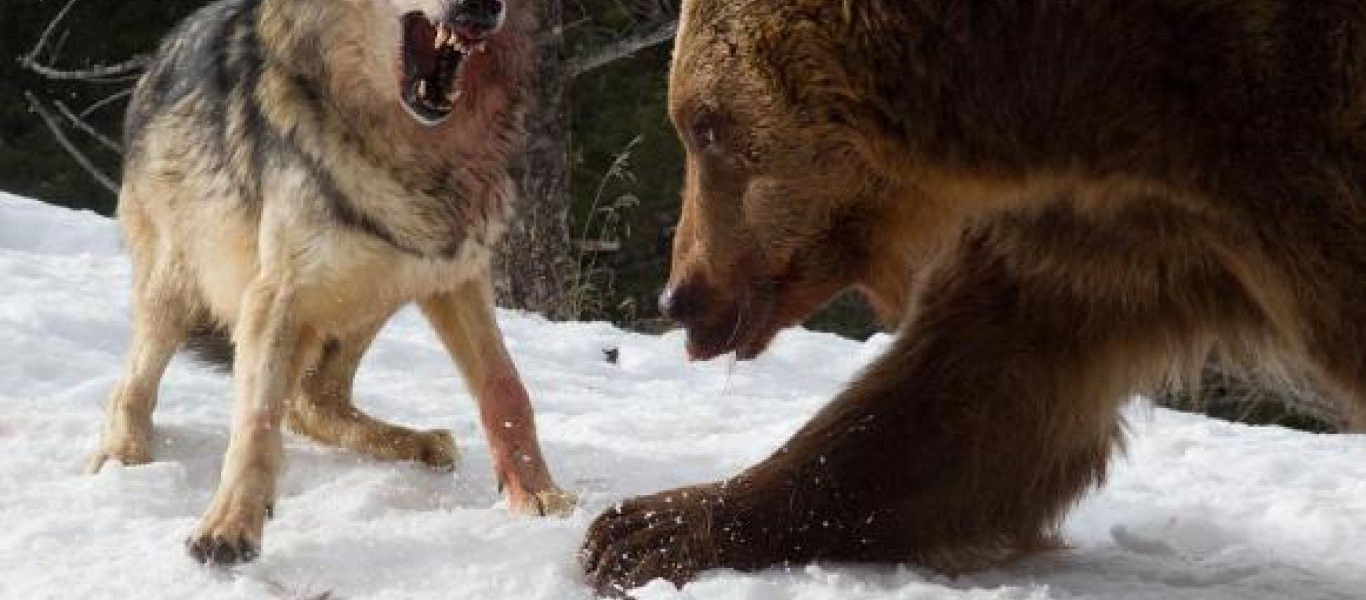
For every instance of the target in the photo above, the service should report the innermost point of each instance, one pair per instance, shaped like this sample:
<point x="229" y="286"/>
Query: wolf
<point x="1056" y="203"/>
<point x="297" y="171"/>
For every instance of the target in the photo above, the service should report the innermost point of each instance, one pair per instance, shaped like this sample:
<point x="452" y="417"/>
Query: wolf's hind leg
<point x="161" y="321"/>
<point x="324" y="412"/>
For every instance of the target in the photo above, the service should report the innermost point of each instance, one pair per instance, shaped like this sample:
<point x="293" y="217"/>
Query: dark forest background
<point x="623" y="167"/>
<point x="601" y="191"/>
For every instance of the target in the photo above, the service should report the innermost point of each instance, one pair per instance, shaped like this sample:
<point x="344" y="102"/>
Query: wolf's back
<point x="211" y="55"/>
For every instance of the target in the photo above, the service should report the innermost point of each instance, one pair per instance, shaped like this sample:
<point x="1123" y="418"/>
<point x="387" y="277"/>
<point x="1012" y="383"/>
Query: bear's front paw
<point x="672" y="535"/>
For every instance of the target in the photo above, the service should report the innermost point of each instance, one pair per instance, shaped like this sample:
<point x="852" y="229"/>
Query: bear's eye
<point x="706" y="135"/>
<point x="705" y="132"/>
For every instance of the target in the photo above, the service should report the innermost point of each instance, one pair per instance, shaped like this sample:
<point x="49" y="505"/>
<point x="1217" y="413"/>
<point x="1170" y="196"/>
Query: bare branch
<point x="32" y="55"/>
<point x="620" y="49"/>
<point x="55" y="51"/>
<point x="114" y="97"/>
<point x="94" y="73"/>
<point x="70" y="148"/>
<point x="83" y="126"/>
<point x="116" y="72"/>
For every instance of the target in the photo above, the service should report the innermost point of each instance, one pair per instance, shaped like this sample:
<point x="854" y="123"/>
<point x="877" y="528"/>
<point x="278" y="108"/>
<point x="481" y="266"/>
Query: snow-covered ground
<point x="1198" y="508"/>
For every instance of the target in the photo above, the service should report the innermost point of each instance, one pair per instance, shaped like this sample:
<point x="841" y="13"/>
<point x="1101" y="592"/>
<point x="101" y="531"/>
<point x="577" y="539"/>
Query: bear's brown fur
<point x="1058" y="203"/>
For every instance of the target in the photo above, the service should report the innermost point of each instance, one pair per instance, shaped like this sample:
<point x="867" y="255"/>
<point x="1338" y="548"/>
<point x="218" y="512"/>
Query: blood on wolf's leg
<point x="464" y="320"/>
<point x="510" y="425"/>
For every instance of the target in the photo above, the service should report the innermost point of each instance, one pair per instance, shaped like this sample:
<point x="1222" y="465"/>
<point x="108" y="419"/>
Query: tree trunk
<point x="534" y="267"/>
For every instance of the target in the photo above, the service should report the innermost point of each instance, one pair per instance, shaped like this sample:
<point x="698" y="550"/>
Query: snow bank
<point x="1198" y="508"/>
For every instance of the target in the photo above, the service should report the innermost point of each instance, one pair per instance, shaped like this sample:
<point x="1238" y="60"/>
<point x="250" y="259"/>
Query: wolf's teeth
<point x="442" y="35"/>
<point x="422" y="88"/>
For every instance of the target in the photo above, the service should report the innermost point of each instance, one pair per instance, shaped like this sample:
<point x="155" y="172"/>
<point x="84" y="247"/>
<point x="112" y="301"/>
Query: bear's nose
<point x="683" y="302"/>
<point x="478" y="17"/>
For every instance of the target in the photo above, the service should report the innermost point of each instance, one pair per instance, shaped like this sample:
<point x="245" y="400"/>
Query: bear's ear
<point x="876" y="134"/>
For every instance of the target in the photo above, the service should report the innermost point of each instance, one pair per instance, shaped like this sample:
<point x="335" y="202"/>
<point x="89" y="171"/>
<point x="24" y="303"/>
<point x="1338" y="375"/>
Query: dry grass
<point x="1232" y="392"/>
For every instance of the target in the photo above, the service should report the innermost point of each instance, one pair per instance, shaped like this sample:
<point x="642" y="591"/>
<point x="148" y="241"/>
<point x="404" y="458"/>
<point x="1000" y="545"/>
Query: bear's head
<point x="783" y="206"/>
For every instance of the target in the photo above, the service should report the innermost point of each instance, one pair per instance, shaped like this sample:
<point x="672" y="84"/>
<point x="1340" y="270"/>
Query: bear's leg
<point x="963" y="445"/>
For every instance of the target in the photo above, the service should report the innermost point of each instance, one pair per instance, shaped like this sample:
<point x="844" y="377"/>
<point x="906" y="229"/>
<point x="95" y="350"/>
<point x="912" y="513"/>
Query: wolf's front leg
<point x="464" y="319"/>
<point x="272" y="348"/>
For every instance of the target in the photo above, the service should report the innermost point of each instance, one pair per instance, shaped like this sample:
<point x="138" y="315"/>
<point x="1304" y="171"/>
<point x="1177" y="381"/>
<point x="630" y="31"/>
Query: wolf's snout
<point x="476" y="18"/>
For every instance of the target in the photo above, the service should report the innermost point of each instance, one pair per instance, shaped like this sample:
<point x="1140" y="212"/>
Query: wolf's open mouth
<point x="431" y="56"/>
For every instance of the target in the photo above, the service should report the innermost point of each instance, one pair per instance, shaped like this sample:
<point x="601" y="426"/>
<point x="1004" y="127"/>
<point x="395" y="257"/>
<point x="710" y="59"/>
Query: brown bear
<point x="1058" y="203"/>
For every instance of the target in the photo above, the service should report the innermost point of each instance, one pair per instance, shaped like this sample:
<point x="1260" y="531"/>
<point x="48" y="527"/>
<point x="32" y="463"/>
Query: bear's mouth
<point x="745" y="326"/>
<point x="431" y="56"/>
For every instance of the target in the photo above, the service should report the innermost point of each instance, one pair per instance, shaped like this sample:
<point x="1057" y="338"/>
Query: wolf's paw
<point x="128" y="451"/>
<point x="218" y="550"/>
<point x="436" y="449"/>
<point x="229" y="533"/>
<point x="553" y="502"/>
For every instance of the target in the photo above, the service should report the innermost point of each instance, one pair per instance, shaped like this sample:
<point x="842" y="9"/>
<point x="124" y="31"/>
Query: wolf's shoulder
<point x="208" y="53"/>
